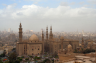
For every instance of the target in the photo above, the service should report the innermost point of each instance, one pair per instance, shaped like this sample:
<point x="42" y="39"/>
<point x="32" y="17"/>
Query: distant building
<point x="54" y="44"/>
<point x="31" y="46"/>
<point x="9" y="30"/>
<point x="34" y="46"/>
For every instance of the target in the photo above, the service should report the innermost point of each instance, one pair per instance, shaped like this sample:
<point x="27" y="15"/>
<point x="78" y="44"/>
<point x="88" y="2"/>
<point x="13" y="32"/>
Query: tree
<point x="12" y="57"/>
<point x="1" y="61"/>
<point x="3" y="54"/>
<point x="16" y="61"/>
<point x="75" y="51"/>
<point x="46" y="60"/>
<point x="35" y="58"/>
<point x="88" y="51"/>
<point x="27" y="59"/>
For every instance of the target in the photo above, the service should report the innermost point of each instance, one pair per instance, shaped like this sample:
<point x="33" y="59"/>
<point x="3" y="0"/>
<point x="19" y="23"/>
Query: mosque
<point x="34" y="46"/>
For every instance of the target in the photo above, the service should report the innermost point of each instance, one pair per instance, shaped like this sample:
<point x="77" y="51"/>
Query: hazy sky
<point x="63" y="15"/>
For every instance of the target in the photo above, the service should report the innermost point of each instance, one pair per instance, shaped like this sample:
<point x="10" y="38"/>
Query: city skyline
<point x="35" y="15"/>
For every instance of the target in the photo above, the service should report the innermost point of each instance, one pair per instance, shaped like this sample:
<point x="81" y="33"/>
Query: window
<point x="32" y="53"/>
<point x="35" y="41"/>
<point x="32" y="49"/>
<point x="38" y="53"/>
<point x="24" y="51"/>
<point x="38" y="48"/>
<point x="31" y="41"/>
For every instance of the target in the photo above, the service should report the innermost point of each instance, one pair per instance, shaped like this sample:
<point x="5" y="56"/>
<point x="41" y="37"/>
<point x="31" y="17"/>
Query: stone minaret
<point x="43" y="41"/>
<point x="51" y="35"/>
<point x="20" y="33"/>
<point x="47" y="33"/>
<point x="42" y="36"/>
<point x="82" y="43"/>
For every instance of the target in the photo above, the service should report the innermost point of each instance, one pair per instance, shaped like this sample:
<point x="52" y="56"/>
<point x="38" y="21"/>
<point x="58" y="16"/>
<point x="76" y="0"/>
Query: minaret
<point x="20" y="33"/>
<point x="42" y="36"/>
<point x="47" y="32"/>
<point x="43" y="41"/>
<point x="51" y="35"/>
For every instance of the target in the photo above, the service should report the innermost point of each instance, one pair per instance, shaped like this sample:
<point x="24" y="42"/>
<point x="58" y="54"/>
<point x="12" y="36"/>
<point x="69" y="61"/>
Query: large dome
<point x="69" y="46"/>
<point x="33" y="37"/>
<point x="80" y="44"/>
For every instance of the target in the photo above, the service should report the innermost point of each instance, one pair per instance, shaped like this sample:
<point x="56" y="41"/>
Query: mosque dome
<point x="61" y="37"/>
<point x="80" y="45"/>
<point x="69" y="46"/>
<point x="33" y="37"/>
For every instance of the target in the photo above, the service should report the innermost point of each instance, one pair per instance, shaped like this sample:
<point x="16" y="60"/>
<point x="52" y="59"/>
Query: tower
<point x="42" y="36"/>
<point x="43" y="41"/>
<point x="20" y="33"/>
<point x="51" y="35"/>
<point x="47" y="32"/>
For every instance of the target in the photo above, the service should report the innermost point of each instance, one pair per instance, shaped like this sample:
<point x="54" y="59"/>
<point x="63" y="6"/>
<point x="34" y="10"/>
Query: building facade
<point x="54" y="44"/>
<point x="31" y="46"/>
<point x="34" y="46"/>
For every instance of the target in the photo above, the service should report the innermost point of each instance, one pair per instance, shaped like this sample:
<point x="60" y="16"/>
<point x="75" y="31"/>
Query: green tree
<point x="75" y="51"/>
<point x="16" y="61"/>
<point x="35" y="58"/>
<point x="6" y="62"/>
<point x="12" y="57"/>
<point x="3" y="54"/>
<point x="88" y="51"/>
<point x="1" y="61"/>
<point x="46" y="60"/>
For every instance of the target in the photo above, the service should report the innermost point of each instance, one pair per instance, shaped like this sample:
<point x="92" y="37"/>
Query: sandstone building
<point x="54" y="44"/>
<point x="31" y="46"/>
<point x="34" y="46"/>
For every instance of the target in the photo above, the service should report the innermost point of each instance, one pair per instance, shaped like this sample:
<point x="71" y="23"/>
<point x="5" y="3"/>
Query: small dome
<point x="80" y="45"/>
<point x="69" y="46"/>
<point x="61" y="37"/>
<point x="33" y="37"/>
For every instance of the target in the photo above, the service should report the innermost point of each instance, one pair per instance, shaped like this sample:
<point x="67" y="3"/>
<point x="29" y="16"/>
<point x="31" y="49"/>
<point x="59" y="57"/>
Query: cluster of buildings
<point x="62" y="44"/>
<point x="7" y="48"/>
<point x="34" y="46"/>
<point x="64" y="48"/>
